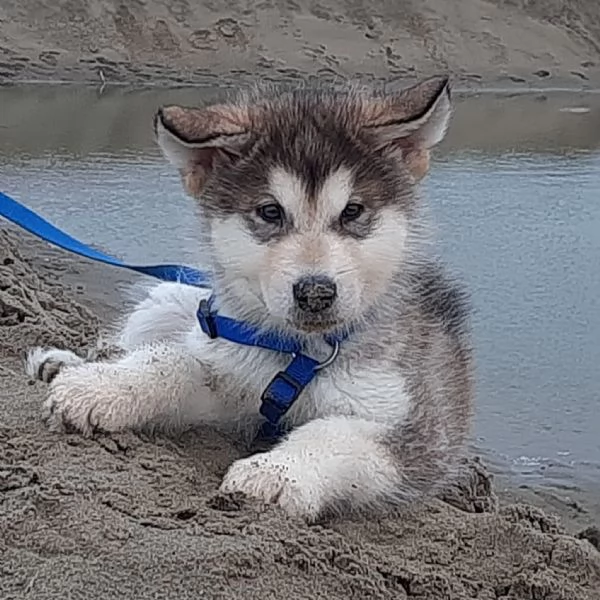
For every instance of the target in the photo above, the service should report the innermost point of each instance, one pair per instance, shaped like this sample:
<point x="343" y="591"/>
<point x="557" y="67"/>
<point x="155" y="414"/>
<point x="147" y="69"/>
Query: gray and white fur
<point x="311" y="222"/>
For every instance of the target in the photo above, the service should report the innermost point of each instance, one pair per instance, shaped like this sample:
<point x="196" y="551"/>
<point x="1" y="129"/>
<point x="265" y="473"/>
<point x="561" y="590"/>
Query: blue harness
<point x="285" y="387"/>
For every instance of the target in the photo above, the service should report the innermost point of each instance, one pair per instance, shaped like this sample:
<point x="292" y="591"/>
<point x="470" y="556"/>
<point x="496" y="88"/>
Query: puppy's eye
<point x="352" y="211"/>
<point x="271" y="213"/>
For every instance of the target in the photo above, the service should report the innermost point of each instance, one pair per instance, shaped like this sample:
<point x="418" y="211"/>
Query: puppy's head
<point x="307" y="195"/>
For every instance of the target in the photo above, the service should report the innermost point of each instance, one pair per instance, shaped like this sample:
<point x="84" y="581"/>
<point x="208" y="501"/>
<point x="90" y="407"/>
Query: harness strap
<point x="285" y="388"/>
<point x="215" y="325"/>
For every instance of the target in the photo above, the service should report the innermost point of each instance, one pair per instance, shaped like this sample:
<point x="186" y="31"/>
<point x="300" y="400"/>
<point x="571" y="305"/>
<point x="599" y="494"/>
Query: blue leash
<point x="284" y="388"/>
<point x="26" y="219"/>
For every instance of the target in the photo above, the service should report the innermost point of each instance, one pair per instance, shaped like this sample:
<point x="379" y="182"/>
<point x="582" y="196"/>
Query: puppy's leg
<point x="158" y="383"/>
<point x="340" y="460"/>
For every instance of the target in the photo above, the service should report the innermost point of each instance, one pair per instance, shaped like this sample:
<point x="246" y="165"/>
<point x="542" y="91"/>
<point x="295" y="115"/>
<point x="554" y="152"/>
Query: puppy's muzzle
<point x="315" y="294"/>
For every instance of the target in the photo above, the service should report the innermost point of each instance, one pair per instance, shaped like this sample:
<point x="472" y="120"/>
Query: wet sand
<point x="496" y="42"/>
<point x="133" y="516"/>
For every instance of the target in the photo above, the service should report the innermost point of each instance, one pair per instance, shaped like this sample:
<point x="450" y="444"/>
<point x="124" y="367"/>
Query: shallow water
<point x="513" y="195"/>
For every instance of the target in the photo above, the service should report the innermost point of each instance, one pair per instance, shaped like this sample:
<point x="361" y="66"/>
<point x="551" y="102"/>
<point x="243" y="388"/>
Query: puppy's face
<point x="308" y="196"/>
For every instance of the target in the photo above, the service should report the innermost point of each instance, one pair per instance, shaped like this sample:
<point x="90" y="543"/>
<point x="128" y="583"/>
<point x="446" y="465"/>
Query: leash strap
<point x="25" y="218"/>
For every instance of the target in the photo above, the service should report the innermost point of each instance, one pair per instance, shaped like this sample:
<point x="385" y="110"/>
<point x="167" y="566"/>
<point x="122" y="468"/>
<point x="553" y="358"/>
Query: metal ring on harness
<point x="328" y="361"/>
<point x="335" y="350"/>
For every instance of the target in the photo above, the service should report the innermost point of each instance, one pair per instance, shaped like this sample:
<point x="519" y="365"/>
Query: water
<point x="514" y="196"/>
<point x="524" y="230"/>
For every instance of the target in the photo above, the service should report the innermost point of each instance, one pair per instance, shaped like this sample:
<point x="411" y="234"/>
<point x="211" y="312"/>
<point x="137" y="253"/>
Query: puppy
<point x="312" y="227"/>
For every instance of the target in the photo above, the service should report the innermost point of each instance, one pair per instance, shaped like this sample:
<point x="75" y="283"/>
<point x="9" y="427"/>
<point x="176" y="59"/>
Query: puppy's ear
<point x="411" y="122"/>
<point x="194" y="140"/>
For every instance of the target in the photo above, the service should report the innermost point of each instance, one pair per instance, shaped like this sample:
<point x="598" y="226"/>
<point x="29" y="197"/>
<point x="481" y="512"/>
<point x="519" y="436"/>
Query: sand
<point x="128" y="516"/>
<point x="508" y="43"/>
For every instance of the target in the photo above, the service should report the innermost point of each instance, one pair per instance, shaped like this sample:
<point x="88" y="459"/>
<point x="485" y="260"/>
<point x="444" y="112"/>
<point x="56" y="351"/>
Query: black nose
<point x="315" y="294"/>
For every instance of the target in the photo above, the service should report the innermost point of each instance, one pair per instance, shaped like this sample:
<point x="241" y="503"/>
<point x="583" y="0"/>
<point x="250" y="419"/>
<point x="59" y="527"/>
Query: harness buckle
<point x="279" y="396"/>
<point x="206" y="318"/>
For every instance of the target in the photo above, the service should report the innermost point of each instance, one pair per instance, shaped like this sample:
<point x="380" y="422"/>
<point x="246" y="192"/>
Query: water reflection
<point x="38" y="119"/>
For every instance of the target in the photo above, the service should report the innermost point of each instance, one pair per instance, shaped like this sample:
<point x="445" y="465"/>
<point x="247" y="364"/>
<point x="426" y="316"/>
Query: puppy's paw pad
<point x="46" y="363"/>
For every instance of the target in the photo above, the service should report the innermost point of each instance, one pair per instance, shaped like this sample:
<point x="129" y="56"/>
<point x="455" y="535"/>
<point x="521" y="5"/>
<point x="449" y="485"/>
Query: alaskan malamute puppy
<point x="312" y="227"/>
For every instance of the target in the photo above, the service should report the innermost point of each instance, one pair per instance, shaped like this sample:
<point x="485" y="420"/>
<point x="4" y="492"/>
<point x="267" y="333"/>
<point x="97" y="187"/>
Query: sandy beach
<point x="138" y="517"/>
<point x="124" y="516"/>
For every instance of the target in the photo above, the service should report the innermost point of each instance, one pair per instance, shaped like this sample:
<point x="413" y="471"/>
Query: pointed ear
<point x="411" y="122"/>
<point x="194" y="140"/>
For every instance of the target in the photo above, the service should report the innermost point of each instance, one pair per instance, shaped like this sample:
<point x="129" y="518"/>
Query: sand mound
<point x="35" y="310"/>
<point x="130" y="517"/>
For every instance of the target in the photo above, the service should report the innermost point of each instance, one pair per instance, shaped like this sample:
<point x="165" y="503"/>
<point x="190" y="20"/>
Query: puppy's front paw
<point x="46" y="363"/>
<point x="71" y="403"/>
<point x="280" y="478"/>
<point x="85" y="399"/>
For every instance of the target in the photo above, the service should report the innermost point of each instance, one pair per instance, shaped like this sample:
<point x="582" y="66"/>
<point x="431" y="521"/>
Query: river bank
<point x="482" y="43"/>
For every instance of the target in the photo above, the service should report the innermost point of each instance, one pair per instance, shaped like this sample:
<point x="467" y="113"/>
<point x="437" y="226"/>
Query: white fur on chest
<point x="374" y="392"/>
